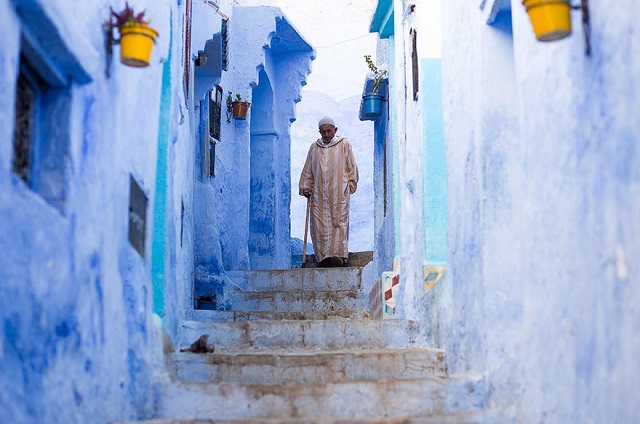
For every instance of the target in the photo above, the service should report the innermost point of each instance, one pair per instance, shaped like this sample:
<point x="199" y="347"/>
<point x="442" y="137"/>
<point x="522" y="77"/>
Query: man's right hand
<point x="306" y="193"/>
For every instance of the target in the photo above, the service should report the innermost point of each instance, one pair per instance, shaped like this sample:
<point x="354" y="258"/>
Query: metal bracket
<point x="229" y="107"/>
<point x="109" y="41"/>
<point x="586" y="24"/>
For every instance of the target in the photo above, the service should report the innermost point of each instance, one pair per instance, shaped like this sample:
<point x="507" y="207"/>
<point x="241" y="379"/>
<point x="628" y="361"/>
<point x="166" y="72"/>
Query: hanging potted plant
<point x="372" y="101"/>
<point x="550" y="19"/>
<point x="238" y="106"/>
<point x="136" y="36"/>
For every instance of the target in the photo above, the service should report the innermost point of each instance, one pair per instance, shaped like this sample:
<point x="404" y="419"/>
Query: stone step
<point x="480" y="417"/>
<point x="295" y="301"/>
<point x="316" y="279"/>
<point x="230" y="316"/>
<point x="318" y="334"/>
<point x="311" y="367"/>
<point x="351" y="400"/>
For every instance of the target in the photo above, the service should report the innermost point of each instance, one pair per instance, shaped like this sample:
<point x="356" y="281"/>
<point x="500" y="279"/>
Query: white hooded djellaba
<point x="331" y="174"/>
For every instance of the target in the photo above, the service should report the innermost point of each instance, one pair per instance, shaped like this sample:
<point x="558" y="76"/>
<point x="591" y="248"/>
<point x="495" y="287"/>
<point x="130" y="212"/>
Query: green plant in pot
<point x="239" y="106"/>
<point x="372" y="101"/>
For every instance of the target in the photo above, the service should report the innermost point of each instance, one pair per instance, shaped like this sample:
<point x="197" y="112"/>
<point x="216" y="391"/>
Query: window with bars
<point x="138" y="202"/>
<point x="215" y="112"/>
<point x="27" y="89"/>
<point x="414" y="64"/>
<point x="187" y="48"/>
<point x="41" y="128"/>
<point x="215" y="117"/>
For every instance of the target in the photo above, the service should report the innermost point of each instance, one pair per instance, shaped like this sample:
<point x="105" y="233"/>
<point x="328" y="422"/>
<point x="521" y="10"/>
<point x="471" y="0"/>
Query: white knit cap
<point x="326" y="121"/>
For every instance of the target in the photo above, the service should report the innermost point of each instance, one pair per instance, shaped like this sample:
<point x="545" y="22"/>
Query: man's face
<point x="327" y="132"/>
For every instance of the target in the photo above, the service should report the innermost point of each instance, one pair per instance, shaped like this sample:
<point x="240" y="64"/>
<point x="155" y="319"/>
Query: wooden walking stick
<point x="306" y="230"/>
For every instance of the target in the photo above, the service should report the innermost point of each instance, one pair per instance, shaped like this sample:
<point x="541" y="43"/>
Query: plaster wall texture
<point x="77" y="338"/>
<point x="410" y="171"/>
<point x="542" y="294"/>
<point x="183" y="168"/>
<point x="339" y="31"/>
<point x="384" y="188"/>
<point x="242" y="213"/>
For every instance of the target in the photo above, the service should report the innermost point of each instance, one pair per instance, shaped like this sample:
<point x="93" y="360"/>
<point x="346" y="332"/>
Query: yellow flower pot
<point x="136" y="43"/>
<point x="551" y="19"/>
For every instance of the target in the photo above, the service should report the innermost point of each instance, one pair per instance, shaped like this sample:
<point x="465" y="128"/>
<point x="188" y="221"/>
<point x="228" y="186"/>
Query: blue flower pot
<point x="372" y="105"/>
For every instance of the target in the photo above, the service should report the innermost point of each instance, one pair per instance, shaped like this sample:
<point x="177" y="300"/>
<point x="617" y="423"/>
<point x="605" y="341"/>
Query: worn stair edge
<point x="318" y="279"/>
<point x="480" y="417"/>
<point x="323" y="334"/>
<point x="341" y="400"/>
<point x="231" y="316"/>
<point x="311" y="367"/>
<point x="296" y="301"/>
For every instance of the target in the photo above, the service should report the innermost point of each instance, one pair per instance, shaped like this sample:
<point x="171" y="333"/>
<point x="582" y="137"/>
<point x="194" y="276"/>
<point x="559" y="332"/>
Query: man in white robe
<point x="328" y="178"/>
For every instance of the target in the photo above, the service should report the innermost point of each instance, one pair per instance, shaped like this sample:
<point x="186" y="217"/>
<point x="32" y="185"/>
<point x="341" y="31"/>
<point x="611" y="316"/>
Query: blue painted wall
<point x="243" y="212"/>
<point x="541" y="296"/>
<point x="76" y="331"/>
<point x="542" y="290"/>
<point x="79" y="339"/>
<point x="435" y="171"/>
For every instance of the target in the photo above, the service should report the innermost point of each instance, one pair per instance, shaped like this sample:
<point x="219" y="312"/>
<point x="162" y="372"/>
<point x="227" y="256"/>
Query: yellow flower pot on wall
<point x="136" y="43"/>
<point x="551" y="19"/>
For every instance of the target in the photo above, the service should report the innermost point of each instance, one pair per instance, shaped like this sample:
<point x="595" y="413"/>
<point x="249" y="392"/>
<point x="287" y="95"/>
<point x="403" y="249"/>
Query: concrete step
<point x="479" y="417"/>
<point x="316" y="279"/>
<point x="321" y="334"/>
<point x="403" y="398"/>
<point x="295" y="300"/>
<point x="311" y="367"/>
<point x="230" y="316"/>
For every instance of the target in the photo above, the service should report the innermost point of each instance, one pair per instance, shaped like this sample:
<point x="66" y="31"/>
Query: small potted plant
<point x="238" y="106"/>
<point x="372" y="101"/>
<point x="136" y="36"/>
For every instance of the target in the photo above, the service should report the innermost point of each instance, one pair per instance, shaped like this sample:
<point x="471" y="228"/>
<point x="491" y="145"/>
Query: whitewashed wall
<point x="542" y="294"/>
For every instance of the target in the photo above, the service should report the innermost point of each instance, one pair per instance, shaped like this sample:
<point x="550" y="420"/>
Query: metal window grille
<point x="225" y="44"/>
<point x="215" y="111"/>
<point x="414" y="64"/>
<point x="137" y="216"/>
<point x="26" y="96"/>
<point x="215" y="117"/>
<point x="187" y="47"/>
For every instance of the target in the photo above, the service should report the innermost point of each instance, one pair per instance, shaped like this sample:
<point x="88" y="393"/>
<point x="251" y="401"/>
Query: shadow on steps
<point x="356" y="259"/>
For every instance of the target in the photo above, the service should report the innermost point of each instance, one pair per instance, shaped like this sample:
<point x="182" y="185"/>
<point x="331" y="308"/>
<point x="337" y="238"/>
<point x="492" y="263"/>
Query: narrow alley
<point x="152" y="262"/>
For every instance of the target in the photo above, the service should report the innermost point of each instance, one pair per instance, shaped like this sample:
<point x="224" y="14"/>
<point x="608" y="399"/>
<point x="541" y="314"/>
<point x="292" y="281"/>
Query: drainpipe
<point x="410" y="190"/>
